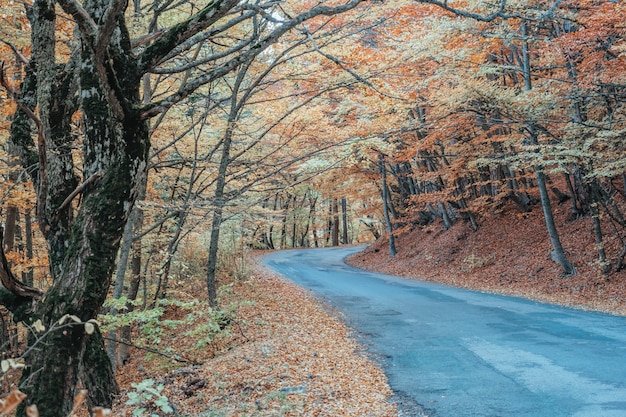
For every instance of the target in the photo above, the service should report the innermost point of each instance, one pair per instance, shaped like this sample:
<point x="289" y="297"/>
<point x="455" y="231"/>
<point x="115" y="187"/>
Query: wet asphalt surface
<point x="449" y="352"/>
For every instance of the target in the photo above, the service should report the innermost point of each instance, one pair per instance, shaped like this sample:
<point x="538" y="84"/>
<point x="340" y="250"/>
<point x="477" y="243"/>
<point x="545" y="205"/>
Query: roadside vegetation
<point x="146" y="147"/>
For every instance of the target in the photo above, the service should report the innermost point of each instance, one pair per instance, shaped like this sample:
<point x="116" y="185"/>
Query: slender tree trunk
<point x="28" y="231"/>
<point x="576" y="210"/>
<point x="219" y="193"/>
<point x="123" y="352"/>
<point x="312" y="214"/>
<point x="344" y="221"/>
<point x="172" y="247"/>
<point x="335" y="222"/>
<point x="135" y="278"/>
<point x="596" y="195"/>
<point x="118" y="289"/>
<point x="383" y="173"/>
<point x="283" y="230"/>
<point x="10" y="226"/>
<point x="294" y="230"/>
<point x="558" y="254"/>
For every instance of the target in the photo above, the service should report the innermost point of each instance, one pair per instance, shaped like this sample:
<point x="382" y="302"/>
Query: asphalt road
<point x="460" y="353"/>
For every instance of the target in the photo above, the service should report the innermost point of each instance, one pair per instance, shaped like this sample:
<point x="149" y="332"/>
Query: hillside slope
<point x="509" y="254"/>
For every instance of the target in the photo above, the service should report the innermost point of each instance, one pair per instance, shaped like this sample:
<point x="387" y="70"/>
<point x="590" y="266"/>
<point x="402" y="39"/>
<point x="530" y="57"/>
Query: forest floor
<point x="509" y="254"/>
<point x="284" y="354"/>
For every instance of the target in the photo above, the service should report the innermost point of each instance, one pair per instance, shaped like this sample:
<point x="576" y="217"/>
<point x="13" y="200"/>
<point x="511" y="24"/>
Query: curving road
<point x="460" y="353"/>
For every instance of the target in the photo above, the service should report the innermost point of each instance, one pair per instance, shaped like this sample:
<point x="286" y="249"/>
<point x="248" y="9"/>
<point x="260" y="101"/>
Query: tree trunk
<point x="383" y="173"/>
<point x="596" y="195"/>
<point x="96" y="374"/>
<point x="312" y="210"/>
<point x="172" y="247"/>
<point x="123" y="352"/>
<point x="218" y="196"/>
<point x="443" y="212"/>
<point x="557" y="254"/>
<point x="118" y="289"/>
<point x="335" y="222"/>
<point x="28" y="231"/>
<point x="10" y="227"/>
<point x="344" y="221"/>
<point x="83" y="249"/>
<point x="283" y="230"/>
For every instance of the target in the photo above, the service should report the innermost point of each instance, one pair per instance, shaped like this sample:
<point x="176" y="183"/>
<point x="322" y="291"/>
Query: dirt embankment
<point x="508" y="254"/>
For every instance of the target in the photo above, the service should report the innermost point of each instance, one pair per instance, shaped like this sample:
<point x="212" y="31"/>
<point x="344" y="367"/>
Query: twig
<point x="177" y="358"/>
<point x="341" y="65"/>
<point x="80" y="189"/>
<point x="17" y="53"/>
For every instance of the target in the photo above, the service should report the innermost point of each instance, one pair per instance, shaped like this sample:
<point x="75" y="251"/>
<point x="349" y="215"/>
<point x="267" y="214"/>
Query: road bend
<point x="460" y="353"/>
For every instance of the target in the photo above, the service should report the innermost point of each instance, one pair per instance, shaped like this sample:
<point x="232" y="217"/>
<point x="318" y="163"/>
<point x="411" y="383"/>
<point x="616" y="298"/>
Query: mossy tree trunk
<point x="82" y="207"/>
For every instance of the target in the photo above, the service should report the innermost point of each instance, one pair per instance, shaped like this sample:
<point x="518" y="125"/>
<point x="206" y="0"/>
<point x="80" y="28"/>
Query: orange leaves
<point x="597" y="43"/>
<point x="9" y="403"/>
<point x="508" y="254"/>
<point x="297" y="360"/>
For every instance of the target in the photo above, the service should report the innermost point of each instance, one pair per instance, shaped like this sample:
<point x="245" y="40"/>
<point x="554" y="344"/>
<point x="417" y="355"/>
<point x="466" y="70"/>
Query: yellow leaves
<point x="32" y="411"/>
<point x="90" y="326"/>
<point x="11" y="363"/>
<point x="38" y="326"/>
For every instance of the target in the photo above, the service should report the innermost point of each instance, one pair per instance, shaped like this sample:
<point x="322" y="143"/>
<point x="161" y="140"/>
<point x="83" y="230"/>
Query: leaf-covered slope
<point x="508" y="255"/>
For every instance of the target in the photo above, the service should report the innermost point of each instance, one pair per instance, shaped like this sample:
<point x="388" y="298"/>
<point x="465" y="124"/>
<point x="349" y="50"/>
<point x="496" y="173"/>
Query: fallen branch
<point x="177" y="358"/>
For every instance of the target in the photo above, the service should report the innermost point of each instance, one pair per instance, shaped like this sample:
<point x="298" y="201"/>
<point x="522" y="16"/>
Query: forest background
<point x="148" y="147"/>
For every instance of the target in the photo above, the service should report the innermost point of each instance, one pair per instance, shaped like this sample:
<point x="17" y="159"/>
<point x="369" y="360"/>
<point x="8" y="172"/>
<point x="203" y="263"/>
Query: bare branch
<point x="348" y="70"/>
<point x="80" y="189"/>
<point x="85" y="23"/>
<point x="115" y="9"/>
<point x="18" y="54"/>
<point x="255" y="49"/>
<point x="215" y="10"/>
<point x="500" y="13"/>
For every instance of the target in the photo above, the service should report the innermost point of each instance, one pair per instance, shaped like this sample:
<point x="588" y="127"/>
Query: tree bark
<point x="335" y="222"/>
<point x="83" y="248"/>
<point x="28" y="231"/>
<point x="123" y="352"/>
<point x="118" y="289"/>
<point x="383" y="174"/>
<point x="218" y="195"/>
<point x="344" y="221"/>
<point x="557" y="254"/>
<point x="10" y="225"/>
<point x="82" y="217"/>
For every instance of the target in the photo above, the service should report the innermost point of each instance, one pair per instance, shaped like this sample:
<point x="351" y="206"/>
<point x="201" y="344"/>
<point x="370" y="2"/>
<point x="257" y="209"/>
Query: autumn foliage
<point x="392" y="118"/>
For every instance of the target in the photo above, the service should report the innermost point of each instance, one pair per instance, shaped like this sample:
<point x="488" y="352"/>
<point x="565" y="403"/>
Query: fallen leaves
<point x="507" y="255"/>
<point x="296" y="359"/>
